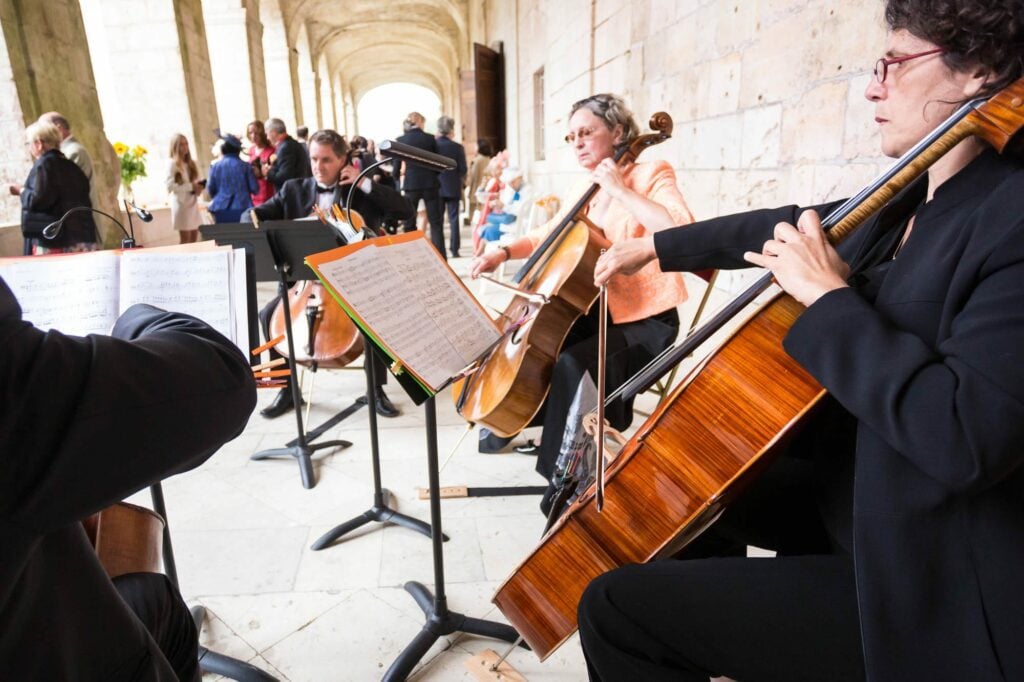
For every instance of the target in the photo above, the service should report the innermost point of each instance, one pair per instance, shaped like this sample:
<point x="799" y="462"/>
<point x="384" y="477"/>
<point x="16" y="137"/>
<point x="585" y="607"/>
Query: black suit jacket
<point x="85" y="422"/>
<point x="932" y="369"/>
<point x="295" y="201"/>
<point x="417" y="177"/>
<point x="292" y="162"/>
<point x="54" y="186"/>
<point x="452" y="180"/>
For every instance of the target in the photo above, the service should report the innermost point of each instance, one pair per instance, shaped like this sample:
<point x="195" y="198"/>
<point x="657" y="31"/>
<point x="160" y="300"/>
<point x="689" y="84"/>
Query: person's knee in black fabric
<point x="157" y="603"/>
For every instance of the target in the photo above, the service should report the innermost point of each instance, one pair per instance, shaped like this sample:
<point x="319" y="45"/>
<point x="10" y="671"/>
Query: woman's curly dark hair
<point x="974" y="33"/>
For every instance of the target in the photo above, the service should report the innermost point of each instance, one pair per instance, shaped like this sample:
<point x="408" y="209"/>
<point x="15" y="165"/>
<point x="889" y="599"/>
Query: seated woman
<point x="636" y="200"/>
<point x="898" y="511"/>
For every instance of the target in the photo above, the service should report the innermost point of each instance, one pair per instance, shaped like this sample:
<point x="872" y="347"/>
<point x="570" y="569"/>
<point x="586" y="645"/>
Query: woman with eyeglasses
<point x="897" y="513"/>
<point x="636" y="200"/>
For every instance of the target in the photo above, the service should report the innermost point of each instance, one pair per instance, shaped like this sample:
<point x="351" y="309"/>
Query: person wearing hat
<point x="514" y="197"/>
<point x="231" y="183"/>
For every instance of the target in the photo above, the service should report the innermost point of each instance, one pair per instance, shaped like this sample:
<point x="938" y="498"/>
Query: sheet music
<point x="198" y="284"/>
<point x="76" y="295"/>
<point x="411" y="302"/>
<point x="239" y="294"/>
<point x="467" y="328"/>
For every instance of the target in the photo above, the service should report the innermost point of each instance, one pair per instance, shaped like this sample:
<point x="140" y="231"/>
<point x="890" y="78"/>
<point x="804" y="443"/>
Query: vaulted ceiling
<point x="374" y="42"/>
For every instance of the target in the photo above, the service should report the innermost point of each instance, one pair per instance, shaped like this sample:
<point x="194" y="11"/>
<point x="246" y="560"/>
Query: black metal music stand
<point x="440" y="621"/>
<point x="380" y="511"/>
<point x="209" y="661"/>
<point x="288" y="243"/>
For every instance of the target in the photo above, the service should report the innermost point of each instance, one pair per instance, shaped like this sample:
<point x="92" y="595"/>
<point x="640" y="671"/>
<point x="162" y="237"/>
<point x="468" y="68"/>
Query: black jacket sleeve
<point x="88" y="421"/>
<point x="721" y="242"/>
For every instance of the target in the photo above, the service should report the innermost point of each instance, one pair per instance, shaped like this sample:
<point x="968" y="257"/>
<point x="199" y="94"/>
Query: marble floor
<point x="242" y="532"/>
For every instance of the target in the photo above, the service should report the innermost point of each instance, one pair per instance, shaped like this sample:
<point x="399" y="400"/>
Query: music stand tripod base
<point x="439" y="620"/>
<point x="380" y="511"/>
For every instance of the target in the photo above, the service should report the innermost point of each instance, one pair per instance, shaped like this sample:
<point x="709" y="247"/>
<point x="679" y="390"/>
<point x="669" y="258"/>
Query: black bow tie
<point x="320" y="189"/>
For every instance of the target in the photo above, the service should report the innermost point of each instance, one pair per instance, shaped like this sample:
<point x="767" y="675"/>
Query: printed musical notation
<point x="196" y="284"/>
<point x="84" y="293"/>
<point x="414" y="304"/>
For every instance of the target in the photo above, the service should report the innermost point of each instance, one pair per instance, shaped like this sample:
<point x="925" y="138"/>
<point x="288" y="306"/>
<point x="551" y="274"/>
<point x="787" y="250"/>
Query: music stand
<point x="439" y="620"/>
<point x="279" y="251"/>
<point x="379" y="511"/>
<point x="209" y="661"/>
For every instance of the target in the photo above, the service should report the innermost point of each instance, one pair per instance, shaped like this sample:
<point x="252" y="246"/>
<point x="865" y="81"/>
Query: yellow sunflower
<point x="139" y="150"/>
<point x="120" y="148"/>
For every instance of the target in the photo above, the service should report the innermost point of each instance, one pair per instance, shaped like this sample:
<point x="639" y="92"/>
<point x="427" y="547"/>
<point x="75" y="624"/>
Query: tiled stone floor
<point x="242" y="532"/>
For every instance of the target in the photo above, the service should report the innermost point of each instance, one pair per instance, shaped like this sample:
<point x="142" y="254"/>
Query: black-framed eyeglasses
<point x="883" y="64"/>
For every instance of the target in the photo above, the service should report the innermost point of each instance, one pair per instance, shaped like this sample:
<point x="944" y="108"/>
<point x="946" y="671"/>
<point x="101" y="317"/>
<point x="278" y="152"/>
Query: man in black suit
<point x="289" y="160"/>
<point x="84" y="423"/>
<point x="421" y="183"/>
<point x="452" y="180"/>
<point x="332" y="179"/>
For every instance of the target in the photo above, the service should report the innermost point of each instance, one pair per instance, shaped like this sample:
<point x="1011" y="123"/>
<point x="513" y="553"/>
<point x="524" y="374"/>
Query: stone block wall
<point x="766" y="95"/>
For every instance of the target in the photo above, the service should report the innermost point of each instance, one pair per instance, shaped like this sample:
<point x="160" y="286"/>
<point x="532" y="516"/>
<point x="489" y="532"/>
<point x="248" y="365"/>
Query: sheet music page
<point x="75" y="294"/>
<point x="379" y="295"/>
<point x="468" y="329"/>
<point x="197" y="284"/>
<point x="239" y="295"/>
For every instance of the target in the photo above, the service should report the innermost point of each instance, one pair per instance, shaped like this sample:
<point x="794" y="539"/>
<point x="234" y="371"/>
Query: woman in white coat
<point x="184" y="186"/>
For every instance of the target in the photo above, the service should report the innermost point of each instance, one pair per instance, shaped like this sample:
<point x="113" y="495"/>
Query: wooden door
<point x="489" y="78"/>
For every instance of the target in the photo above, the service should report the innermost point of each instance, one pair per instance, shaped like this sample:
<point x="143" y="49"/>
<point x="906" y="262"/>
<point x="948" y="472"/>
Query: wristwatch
<point x="508" y="252"/>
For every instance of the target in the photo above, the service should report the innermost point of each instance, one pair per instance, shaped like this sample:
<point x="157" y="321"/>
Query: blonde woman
<point x="184" y="186"/>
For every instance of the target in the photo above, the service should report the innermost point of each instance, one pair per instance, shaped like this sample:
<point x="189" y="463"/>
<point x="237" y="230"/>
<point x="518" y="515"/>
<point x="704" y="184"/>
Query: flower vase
<point x="127" y="194"/>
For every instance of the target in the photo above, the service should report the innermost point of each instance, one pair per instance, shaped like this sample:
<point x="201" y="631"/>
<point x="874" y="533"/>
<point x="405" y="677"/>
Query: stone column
<point x="45" y="66"/>
<point x="236" y="57"/>
<point x="155" y="80"/>
<point x="277" y="64"/>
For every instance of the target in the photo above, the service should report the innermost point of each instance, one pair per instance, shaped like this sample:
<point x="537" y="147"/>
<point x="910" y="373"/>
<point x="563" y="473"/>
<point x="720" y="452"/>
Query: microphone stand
<point x="379" y="511"/>
<point x="440" y="620"/>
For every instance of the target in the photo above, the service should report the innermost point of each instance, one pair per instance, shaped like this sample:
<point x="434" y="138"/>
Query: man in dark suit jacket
<point x="452" y="180"/>
<point x="421" y="183"/>
<point x="290" y="160"/>
<point x="332" y="179"/>
<point x="84" y="423"/>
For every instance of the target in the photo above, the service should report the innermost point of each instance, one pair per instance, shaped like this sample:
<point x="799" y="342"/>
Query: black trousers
<point x="793" y="617"/>
<point x="451" y="209"/>
<point x="158" y="604"/>
<point x="380" y="368"/>
<point x="433" y="205"/>
<point x="630" y="346"/>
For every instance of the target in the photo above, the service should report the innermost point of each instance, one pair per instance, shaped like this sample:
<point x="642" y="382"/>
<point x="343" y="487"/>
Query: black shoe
<point x="455" y="254"/>
<point x="491" y="443"/>
<point x="530" y="448"/>
<point x="385" y="407"/>
<point x="282" y="403"/>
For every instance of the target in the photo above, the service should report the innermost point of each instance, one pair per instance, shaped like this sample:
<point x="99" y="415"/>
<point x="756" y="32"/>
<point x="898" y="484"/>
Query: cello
<point x="720" y="429"/>
<point x="554" y="288"/>
<point x="326" y="338"/>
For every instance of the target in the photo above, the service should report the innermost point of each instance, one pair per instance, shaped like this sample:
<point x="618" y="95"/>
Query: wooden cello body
<point x="716" y="432"/>
<point x="324" y="336"/>
<point x="557" y="287"/>
<point x="127" y="539"/>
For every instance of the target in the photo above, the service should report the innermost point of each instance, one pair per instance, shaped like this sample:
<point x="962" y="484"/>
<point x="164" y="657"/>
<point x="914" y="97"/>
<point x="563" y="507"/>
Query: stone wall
<point x="45" y="66"/>
<point x="767" y="95"/>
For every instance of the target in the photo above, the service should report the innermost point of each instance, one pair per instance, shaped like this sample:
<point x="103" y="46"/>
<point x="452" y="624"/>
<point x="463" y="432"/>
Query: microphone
<point x="415" y="155"/>
<point x="144" y="215"/>
<point x="54" y="228"/>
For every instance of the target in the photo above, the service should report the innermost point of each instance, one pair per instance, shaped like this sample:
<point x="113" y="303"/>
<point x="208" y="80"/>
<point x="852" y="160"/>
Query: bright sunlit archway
<point x="382" y="110"/>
